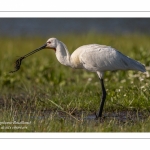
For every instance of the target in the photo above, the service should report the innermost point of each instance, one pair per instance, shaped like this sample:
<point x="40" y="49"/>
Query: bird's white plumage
<point x="94" y="57"/>
<point x="104" y="58"/>
<point x="98" y="56"/>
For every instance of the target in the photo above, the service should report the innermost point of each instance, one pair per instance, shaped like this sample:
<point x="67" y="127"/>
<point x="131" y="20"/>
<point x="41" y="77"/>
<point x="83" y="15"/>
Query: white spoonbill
<point x="93" y="57"/>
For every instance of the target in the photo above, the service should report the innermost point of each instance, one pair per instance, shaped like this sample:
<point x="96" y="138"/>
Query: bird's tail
<point x="135" y="65"/>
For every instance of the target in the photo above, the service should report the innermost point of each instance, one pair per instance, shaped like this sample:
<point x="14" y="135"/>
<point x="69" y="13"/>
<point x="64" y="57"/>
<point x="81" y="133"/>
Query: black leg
<point x="102" y="98"/>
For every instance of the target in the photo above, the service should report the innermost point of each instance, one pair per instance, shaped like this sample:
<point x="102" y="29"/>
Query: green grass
<point x="44" y="96"/>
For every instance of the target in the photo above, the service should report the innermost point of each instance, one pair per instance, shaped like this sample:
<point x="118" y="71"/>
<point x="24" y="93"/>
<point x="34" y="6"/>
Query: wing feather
<point x="105" y="58"/>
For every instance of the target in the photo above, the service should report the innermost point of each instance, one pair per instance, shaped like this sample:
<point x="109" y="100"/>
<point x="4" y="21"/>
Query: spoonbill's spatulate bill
<point x="93" y="57"/>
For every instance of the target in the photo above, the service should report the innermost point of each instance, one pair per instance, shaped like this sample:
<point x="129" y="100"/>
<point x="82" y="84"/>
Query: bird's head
<point x="51" y="43"/>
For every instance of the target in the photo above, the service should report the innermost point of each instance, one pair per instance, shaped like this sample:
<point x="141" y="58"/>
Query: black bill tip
<point x="17" y="64"/>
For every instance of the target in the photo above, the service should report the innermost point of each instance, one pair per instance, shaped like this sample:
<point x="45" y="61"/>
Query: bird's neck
<point x="62" y="54"/>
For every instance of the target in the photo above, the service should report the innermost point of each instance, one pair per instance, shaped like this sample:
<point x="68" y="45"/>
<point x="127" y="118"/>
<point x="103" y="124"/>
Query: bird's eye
<point x="48" y="42"/>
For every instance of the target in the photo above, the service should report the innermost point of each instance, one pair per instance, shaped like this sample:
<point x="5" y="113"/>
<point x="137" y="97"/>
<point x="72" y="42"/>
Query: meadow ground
<point x="45" y="96"/>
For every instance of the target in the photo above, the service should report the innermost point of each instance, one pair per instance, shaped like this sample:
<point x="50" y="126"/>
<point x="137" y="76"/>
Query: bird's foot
<point x="98" y="117"/>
